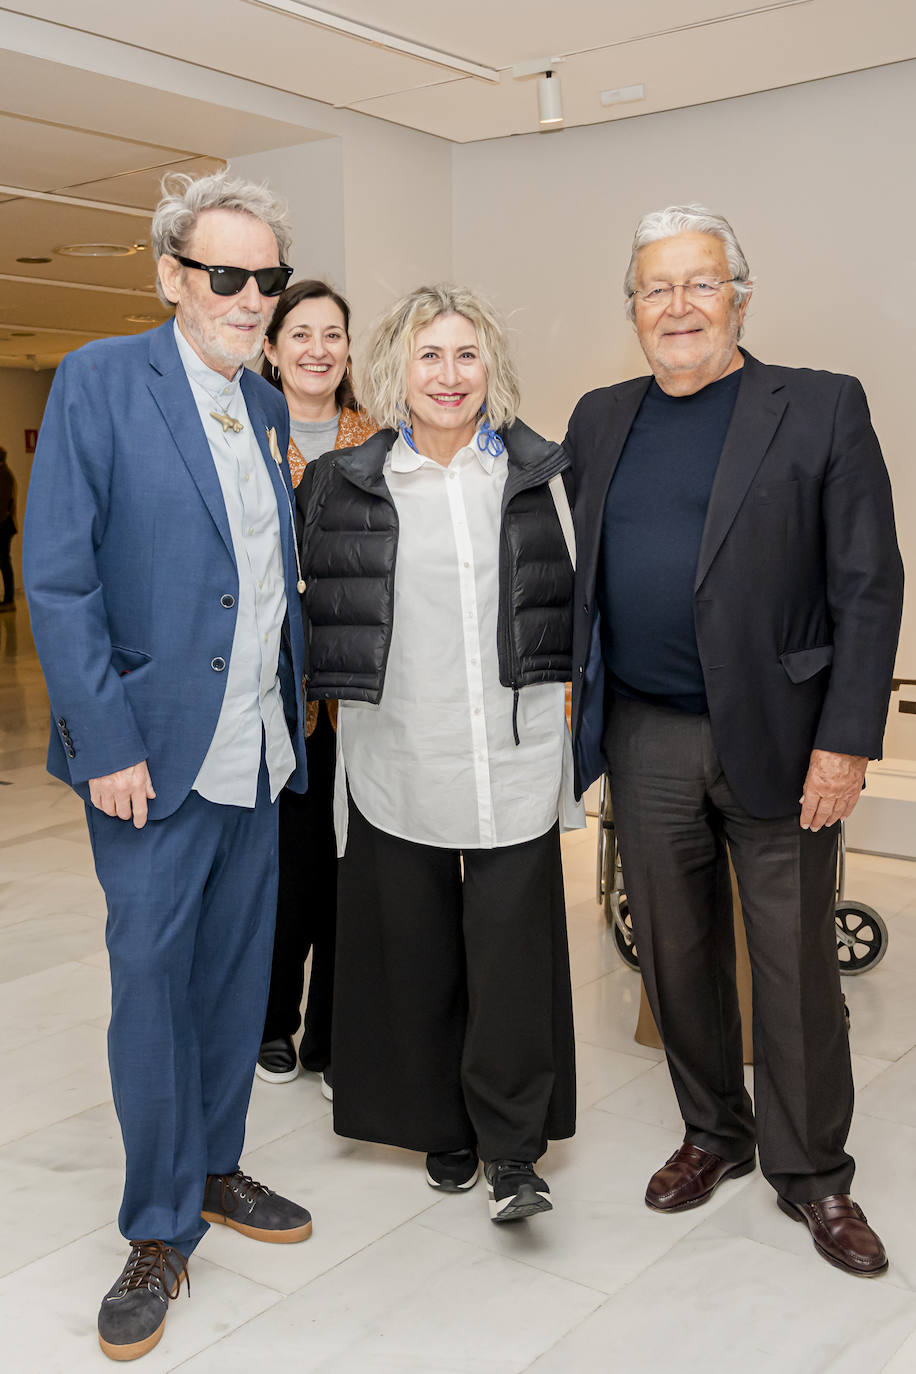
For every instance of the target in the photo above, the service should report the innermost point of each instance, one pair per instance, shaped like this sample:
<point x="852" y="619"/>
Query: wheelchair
<point x="861" y="934"/>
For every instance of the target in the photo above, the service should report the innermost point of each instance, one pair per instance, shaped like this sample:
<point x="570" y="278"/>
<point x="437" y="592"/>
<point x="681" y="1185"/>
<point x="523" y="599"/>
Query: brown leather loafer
<point x="690" y="1177"/>
<point x="840" y="1233"/>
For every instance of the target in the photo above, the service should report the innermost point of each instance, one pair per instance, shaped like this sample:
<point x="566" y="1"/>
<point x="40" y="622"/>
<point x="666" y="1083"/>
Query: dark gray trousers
<point x="674" y="813"/>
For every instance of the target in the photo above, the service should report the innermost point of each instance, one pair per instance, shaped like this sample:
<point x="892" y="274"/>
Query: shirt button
<point x="217" y="664"/>
<point x="251" y="529"/>
<point x="476" y="710"/>
<point x="247" y="477"/>
<point x="260" y="584"/>
<point x="227" y="600"/>
<point x="467" y="565"/>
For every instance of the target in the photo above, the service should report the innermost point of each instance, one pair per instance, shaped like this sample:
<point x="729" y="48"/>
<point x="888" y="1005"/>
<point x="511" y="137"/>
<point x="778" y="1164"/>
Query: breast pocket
<point x="777" y="491"/>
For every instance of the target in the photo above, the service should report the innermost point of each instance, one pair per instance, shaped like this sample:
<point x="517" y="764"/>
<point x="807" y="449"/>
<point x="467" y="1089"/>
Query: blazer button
<point x="227" y="600"/>
<point x="217" y="664"/>
<point x="62" y="724"/>
<point x="72" y="753"/>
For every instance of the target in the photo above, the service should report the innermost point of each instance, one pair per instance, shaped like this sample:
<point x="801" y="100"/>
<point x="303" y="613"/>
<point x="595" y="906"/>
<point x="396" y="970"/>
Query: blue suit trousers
<point x="191" y="907"/>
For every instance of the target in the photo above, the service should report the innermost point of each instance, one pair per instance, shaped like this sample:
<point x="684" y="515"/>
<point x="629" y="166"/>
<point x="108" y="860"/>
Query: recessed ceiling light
<point x="142" y="319"/>
<point x="96" y="250"/>
<point x="33" y="259"/>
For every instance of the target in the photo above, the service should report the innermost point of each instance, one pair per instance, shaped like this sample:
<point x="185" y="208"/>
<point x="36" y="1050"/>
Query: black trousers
<point x="452" y="1005"/>
<point x="306" y="905"/>
<point x="7" y="530"/>
<point x="674" y="813"/>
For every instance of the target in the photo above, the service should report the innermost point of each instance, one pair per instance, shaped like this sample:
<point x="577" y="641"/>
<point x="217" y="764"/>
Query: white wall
<point x="372" y="210"/>
<point x="818" y="182"/>
<point x="310" y="178"/>
<point x="22" y="402"/>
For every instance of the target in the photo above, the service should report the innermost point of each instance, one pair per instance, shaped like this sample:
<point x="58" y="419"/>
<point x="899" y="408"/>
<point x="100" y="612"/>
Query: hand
<point x="124" y="794"/>
<point x="832" y="788"/>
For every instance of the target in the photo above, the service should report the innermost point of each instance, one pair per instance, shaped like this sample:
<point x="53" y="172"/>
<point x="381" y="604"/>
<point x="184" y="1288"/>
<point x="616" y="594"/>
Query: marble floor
<point x="397" y="1278"/>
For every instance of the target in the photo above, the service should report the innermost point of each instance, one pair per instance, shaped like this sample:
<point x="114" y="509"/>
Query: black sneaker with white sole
<point x="277" y="1062"/>
<point x="133" y="1312"/>
<point x="515" y="1190"/>
<point x="452" y="1171"/>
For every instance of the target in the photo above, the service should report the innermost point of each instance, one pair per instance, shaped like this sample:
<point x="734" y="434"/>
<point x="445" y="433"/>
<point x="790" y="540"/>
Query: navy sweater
<point x="653" y="523"/>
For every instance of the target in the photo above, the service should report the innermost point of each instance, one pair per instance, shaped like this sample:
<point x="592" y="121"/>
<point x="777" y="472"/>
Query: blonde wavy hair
<point x="382" y="383"/>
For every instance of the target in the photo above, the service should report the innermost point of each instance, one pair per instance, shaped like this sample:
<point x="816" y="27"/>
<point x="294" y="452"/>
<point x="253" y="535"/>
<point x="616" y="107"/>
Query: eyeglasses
<point x="229" y="281"/>
<point x="695" y="291"/>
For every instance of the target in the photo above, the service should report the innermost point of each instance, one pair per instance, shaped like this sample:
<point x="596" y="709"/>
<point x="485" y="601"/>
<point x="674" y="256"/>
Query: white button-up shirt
<point x="252" y="708"/>
<point x="436" y="761"/>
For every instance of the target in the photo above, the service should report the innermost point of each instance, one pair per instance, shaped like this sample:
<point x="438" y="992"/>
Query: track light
<point x="550" y="101"/>
<point x="550" y="93"/>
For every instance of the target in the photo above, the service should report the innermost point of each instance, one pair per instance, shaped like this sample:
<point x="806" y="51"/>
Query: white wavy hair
<point x="185" y="198"/>
<point x="689" y="219"/>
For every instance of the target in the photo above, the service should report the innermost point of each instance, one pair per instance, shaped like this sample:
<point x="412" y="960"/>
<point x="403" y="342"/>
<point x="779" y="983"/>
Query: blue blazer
<point x="128" y="561"/>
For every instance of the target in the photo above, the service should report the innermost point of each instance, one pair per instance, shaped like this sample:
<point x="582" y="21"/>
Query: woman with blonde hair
<point x="437" y="558"/>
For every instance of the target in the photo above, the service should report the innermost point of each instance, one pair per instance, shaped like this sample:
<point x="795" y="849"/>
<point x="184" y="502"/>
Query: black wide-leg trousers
<point x="306" y="905"/>
<point x="674" y="814"/>
<point x="452" y="1004"/>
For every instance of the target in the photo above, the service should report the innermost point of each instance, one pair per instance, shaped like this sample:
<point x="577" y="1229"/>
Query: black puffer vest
<point x="349" y="551"/>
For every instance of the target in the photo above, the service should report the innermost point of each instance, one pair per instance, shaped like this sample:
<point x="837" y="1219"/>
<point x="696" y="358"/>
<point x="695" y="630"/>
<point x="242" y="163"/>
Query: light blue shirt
<point x="252" y="708"/>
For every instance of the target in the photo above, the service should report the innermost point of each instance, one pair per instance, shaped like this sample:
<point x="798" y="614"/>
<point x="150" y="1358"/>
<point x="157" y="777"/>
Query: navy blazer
<point x="799" y="583"/>
<point x="130" y="571"/>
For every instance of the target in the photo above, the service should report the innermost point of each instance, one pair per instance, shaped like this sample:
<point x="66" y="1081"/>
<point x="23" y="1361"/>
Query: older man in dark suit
<point x="738" y="605"/>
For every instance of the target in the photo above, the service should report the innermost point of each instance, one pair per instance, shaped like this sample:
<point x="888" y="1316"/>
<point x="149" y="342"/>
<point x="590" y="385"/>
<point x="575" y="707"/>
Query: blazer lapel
<point x="278" y="476"/>
<point x="171" y="391"/>
<point x="758" y="411"/>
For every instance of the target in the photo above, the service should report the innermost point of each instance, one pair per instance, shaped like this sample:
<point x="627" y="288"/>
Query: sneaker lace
<point x="511" y="1166"/>
<point x="150" y="1265"/>
<point x="239" y="1187"/>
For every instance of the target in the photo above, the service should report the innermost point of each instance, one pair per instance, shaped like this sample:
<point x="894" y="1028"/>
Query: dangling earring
<point x="488" y="441"/>
<point x="275" y="372"/>
<point x="407" y="431"/>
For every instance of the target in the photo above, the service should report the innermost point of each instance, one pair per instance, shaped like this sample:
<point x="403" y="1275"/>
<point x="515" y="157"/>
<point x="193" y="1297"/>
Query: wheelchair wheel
<point x="624" y="935"/>
<point x="861" y="937"/>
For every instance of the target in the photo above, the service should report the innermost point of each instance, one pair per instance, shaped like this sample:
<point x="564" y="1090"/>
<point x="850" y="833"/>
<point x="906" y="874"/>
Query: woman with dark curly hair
<point x="307" y="357"/>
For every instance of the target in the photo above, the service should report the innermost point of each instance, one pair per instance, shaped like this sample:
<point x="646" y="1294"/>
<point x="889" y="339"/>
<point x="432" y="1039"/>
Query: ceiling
<point x="72" y="134"/>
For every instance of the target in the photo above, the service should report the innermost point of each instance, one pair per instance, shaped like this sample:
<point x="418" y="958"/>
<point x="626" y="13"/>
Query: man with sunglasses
<point x="738" y="597"/>
<point x="161" y="570"/>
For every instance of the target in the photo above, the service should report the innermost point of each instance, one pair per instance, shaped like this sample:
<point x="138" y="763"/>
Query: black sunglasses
<point x="229" y="281"/>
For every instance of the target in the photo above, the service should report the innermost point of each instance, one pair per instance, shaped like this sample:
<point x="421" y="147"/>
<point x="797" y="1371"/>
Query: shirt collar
<point x="402" y="458"/>
<point x="214" y="383"/>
